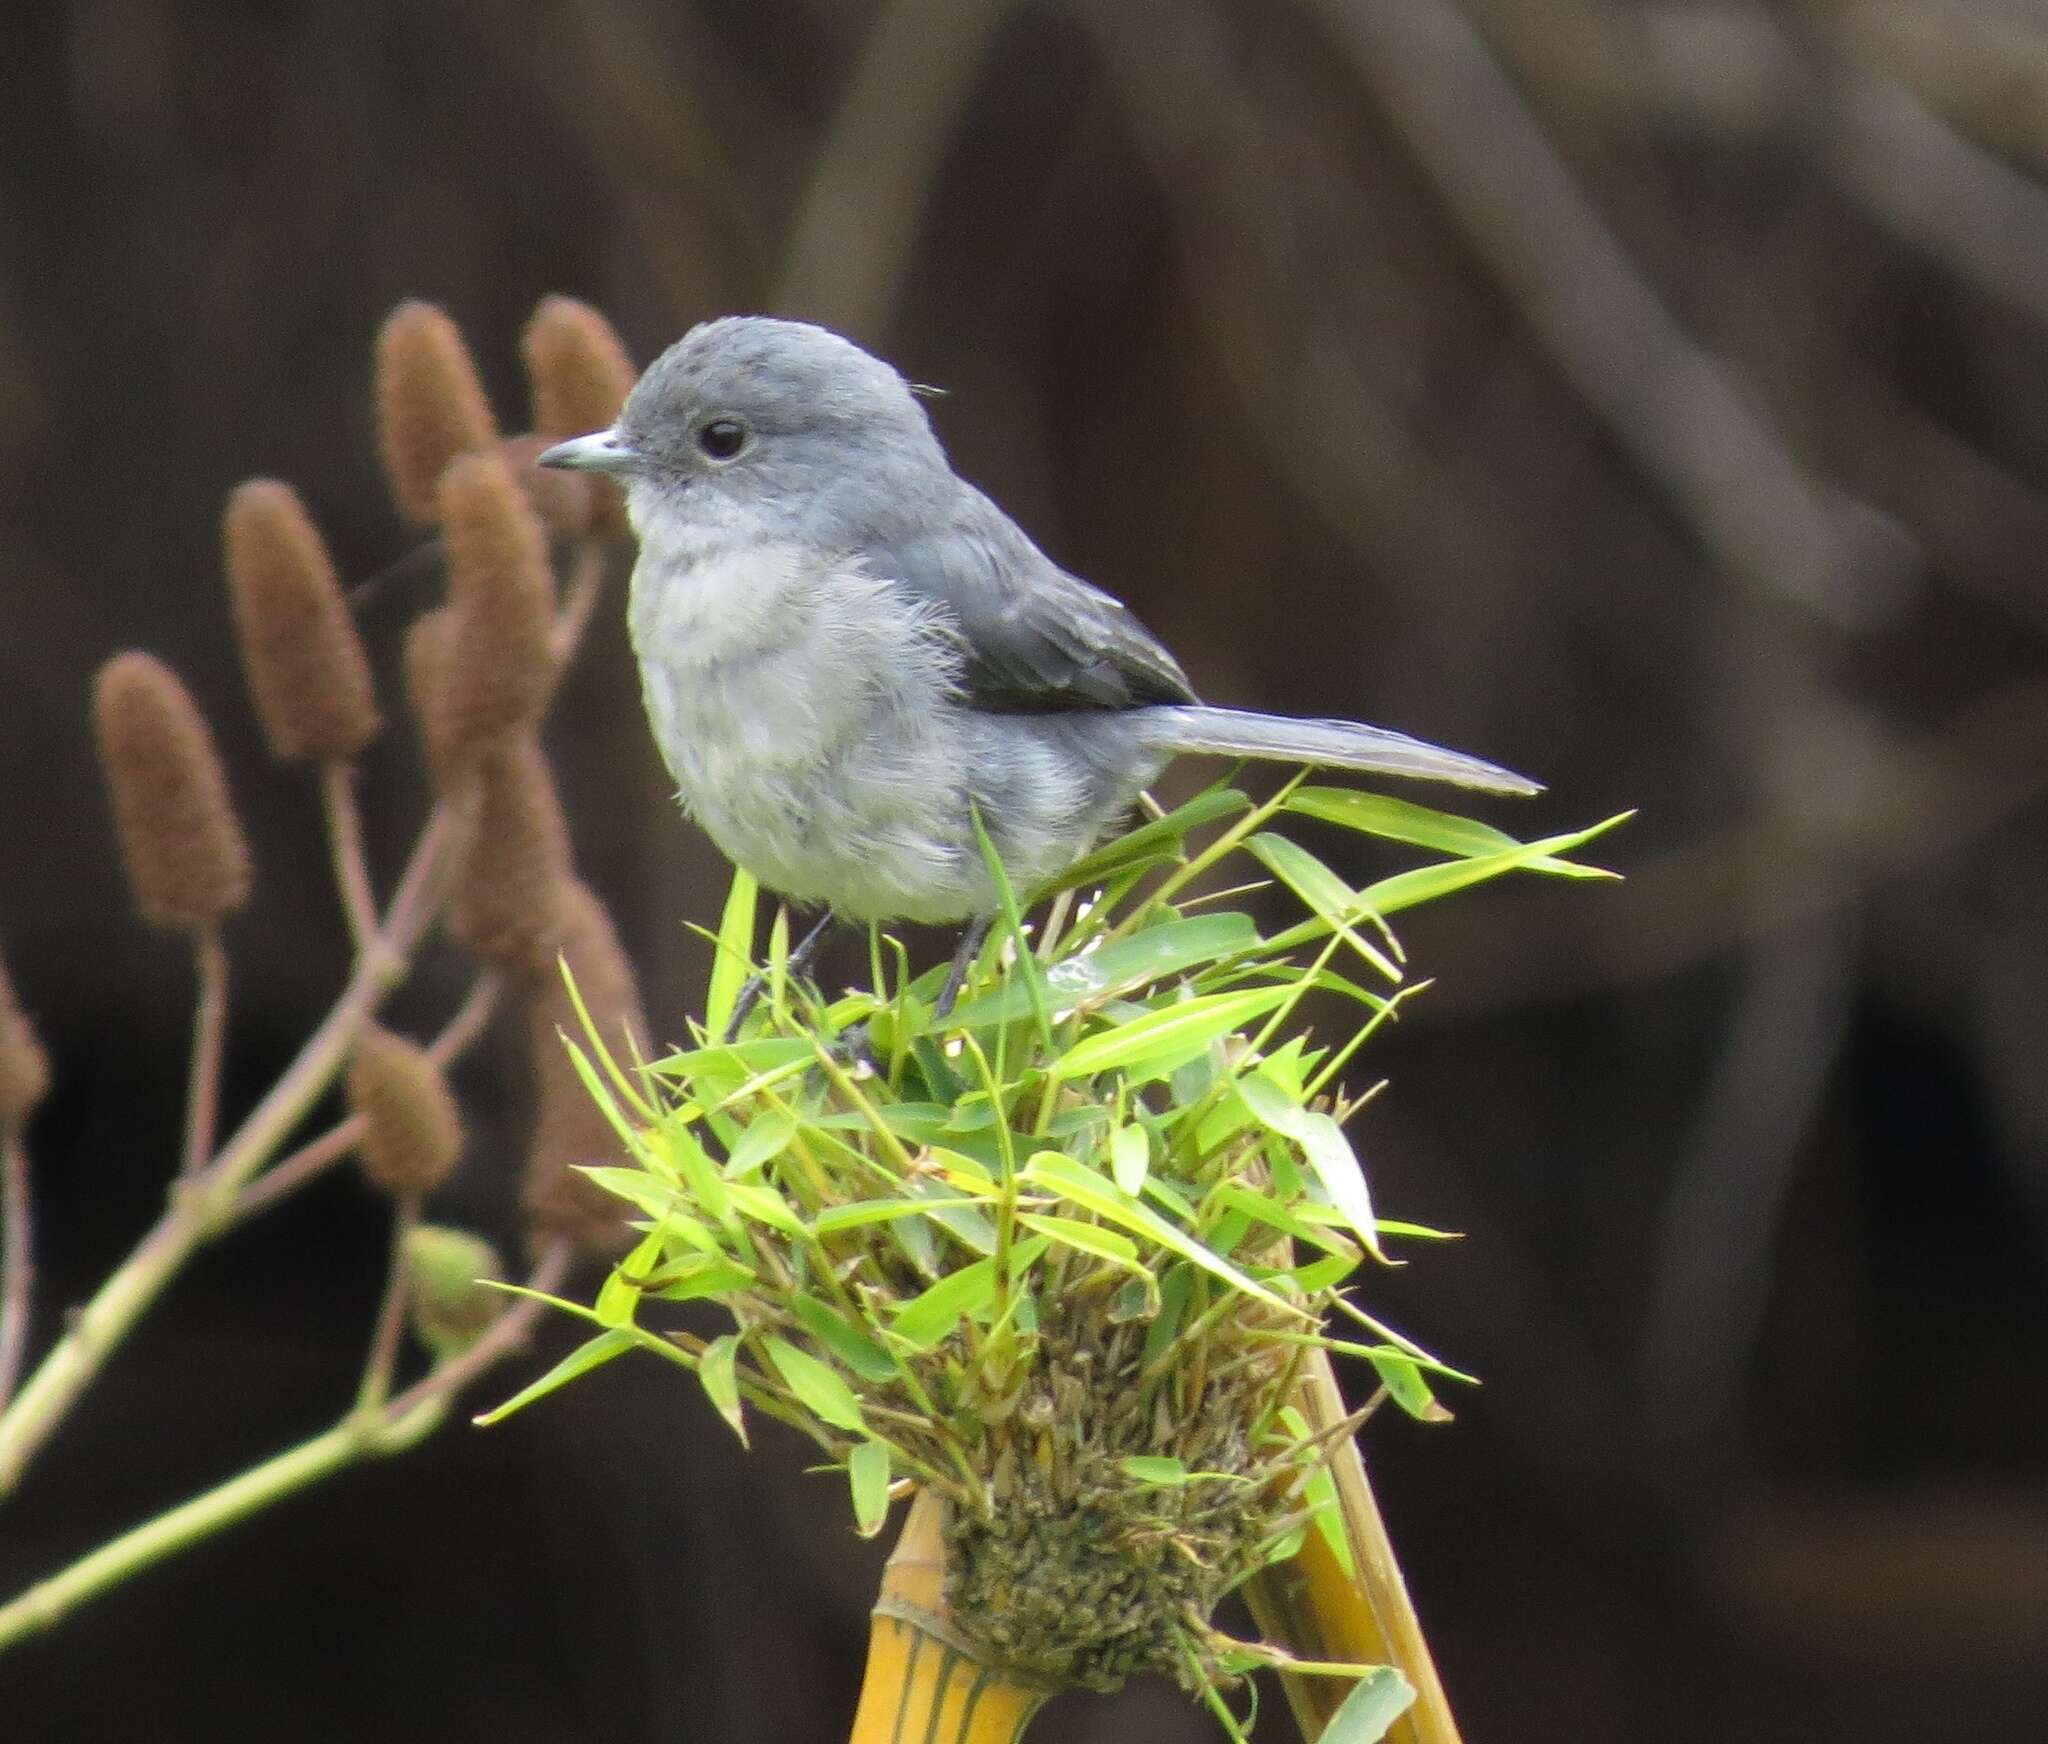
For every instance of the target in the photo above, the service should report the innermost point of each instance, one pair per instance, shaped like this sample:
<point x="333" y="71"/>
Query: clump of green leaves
<point x="1060" y="1257"/>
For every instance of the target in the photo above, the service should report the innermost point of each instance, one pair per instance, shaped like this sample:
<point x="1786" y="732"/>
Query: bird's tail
<point x="1330" y="744"/>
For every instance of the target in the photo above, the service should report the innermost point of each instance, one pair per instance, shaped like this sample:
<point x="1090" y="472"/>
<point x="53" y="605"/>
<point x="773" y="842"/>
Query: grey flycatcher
<point x="848" y="651"/>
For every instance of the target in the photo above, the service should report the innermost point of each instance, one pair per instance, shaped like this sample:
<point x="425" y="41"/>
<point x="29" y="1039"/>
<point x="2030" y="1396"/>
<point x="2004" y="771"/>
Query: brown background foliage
<point x="1648" y="393"/>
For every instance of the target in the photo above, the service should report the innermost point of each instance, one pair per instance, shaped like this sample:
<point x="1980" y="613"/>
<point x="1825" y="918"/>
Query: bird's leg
<point x="971" y="938"/>
<point x="798" y="961"/>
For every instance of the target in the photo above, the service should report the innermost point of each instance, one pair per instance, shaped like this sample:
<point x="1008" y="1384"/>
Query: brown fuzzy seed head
<point x="24" y="1067"/>
<point x="427" y="646"/>
<point x="509" y="905"/>
<point x="564" y="501"/>
<point x="580" y="372"/>
<point x="430" y="405"/>
<point x="308" y="675"/>
<point x="569" y="1129"/>
<point x="501" y="663"/>
<point x="187" y="859"/>
<point x="412" y="1129"/>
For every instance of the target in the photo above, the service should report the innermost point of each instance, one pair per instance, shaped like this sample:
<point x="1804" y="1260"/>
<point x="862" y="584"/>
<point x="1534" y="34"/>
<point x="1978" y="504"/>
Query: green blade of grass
<point x="733" y="960"/>
<point x="1402" y="820"/>
<point x="591" y="1353"/>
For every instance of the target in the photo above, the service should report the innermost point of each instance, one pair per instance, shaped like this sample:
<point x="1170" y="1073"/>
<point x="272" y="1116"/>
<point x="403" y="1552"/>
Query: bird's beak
<point x="606" y="451"/>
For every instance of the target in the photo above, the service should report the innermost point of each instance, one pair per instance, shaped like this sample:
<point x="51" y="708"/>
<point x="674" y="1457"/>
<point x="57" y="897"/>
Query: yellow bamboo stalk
<point x="924" y="1684"/>
<point x="1310" y="1606"/>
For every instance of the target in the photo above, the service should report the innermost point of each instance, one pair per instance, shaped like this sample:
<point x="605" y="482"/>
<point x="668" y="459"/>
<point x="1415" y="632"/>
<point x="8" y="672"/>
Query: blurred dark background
<point x="1647" y="393"/>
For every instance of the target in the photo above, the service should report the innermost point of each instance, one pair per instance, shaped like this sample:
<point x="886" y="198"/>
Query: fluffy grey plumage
<point x="847" y="649"/>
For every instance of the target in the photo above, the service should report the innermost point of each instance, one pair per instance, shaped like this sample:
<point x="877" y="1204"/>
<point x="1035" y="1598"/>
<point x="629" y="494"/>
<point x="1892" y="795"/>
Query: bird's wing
<point x="1038" y="640"/>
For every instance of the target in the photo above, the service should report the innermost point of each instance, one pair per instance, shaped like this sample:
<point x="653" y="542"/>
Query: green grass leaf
<point x="718" y="1374"/>
<point x="928" y="1317"/>
<point x="1380" y="1698"/>
<point x="1402" y="820"/>
<point x="1164" y="1472"/>
<point x="767" y="1136"/>
<point x="818" y="1387"/>
<point x="1082" y="1186"/>
<point x="1328" y="895"/>
<point x="1156" y="1039"/>
<point x="1327" y="1151"/>
<point x="592" y="1353"/>
<point x="1130" y="1156"/>
<point x="1149" y="842"/>
<point x="1119" y="967"/>
<point x="733" y="953"/>
<point x="1026" y="965"/>
<point x="844" y="1340"/>
<point x="867" y="1473"/>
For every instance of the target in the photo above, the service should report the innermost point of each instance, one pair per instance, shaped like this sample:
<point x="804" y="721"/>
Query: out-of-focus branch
<point x="1931" y="187"/>
<point x="105" y="1321"/>
<point x="1668" y="398"/>
<point x="1304" y="356"/>
<point x="1721" y="1215"/>
<point x="859" y="218"/>
<point x="17" y="1254"/>
<point x="1728" y="889"/>
<point x="365" y="1433"/>
<point x="209" y="1036"/>
<point x="345" y="846"/>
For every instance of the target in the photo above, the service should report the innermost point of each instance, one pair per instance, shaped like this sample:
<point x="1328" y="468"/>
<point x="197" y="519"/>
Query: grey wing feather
<point x="1038" y="640"/>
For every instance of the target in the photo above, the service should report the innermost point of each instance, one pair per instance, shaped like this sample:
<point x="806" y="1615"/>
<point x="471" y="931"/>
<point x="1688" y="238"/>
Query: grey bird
<point x="848" y="651"/>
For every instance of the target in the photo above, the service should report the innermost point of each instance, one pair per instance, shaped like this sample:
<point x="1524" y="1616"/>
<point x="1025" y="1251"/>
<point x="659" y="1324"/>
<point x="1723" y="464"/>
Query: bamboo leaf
<point x="592" y="1353"/>
<point x="928" y="1317"/>
<point x="1402" y="820"/>
<point x="1159" y="839"/>
<point x="844" y="1340"/>
<point x="1328" y="1152"/>
<point x="733" y="961"/>
<point x="718" y="1374"/>
<point x="767" y="1136"/>
<point x="1174" y="1032"/>
<point x="1380" y="1698"/>
<point x="819" y="1388"/>
<point x="1082" y="1186"/>
<point x="1121" y="966"/>
<point x="867" y="1473"/>
<point x="1130" y="1155"/>
<point x="1331" y="898"/>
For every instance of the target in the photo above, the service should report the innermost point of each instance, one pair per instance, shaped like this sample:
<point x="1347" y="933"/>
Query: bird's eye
<point x="722" y="438"/>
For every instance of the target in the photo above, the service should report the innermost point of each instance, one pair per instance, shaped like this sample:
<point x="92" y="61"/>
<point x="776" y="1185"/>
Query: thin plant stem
<point x="354" y="1438"/>
<point x="201" y="1200"/>
<point x="345" y="848"/>
<point x="1363" y="1616"/>
<point x="383" y="1357"/>
<point x="17" y="1257"/>
<point x="310" y="1160"/>
<point x="475" y="1011"/>
<point x="318" y="1155"/>
<point x="209" y="1036"/>
<point x="363" y="1434"/>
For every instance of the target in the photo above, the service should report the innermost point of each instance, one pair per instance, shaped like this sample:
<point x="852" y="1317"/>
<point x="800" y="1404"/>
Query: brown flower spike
<point x="500" y="657"/>
<point x="308" y="675"/>
<point x="509" y="905"/>
<point x="24" y="1067"/>
<point x="430" y="405"/>
<point x="578" y="368"/>
<point x="187" y="859"/>
<point x="412" y="1129"/>
<point x="569" y="1130"/>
